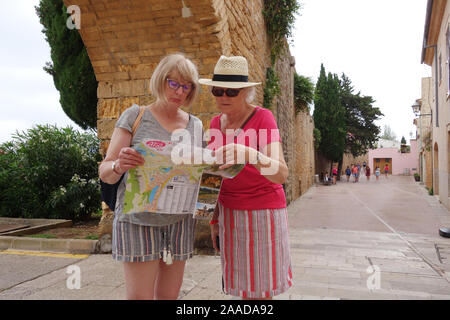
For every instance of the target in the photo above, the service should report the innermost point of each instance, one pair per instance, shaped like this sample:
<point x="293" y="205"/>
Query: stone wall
<point x="304" y="154"/>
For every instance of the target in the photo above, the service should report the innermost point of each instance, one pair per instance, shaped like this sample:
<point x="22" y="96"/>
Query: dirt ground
<point x="79" y="230"/>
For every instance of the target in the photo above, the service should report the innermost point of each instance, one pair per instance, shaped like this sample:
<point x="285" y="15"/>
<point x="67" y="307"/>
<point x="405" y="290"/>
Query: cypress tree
<point x="329" y="116"/>
<point x="71" y="68"/>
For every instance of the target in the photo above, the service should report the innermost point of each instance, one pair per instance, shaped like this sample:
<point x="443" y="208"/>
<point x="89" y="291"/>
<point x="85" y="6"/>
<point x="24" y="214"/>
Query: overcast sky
<point x="376" y="43"/>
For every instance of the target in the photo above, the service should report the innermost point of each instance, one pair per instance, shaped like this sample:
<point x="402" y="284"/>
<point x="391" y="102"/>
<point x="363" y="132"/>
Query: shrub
<point x="47" y="172"/>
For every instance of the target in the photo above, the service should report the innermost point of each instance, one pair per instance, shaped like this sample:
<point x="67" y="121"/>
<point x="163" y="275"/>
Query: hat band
<point x="229" y="78"/>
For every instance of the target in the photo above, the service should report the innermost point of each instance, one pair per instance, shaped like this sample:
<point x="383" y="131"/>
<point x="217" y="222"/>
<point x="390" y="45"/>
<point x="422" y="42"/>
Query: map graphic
<point x="161" y="186"/>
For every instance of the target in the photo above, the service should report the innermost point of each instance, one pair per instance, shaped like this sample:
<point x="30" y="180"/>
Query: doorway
<point x="381" y="163"/>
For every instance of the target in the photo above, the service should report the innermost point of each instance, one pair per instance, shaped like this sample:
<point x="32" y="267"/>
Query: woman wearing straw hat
<point x="251" y="216"/>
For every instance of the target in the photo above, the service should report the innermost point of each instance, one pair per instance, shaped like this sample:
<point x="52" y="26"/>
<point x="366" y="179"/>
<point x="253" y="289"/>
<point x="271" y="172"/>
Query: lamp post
<point x="416" y="109"/>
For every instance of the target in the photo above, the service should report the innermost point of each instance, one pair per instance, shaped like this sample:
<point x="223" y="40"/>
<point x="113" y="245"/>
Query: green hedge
<point x="50" y="172"/>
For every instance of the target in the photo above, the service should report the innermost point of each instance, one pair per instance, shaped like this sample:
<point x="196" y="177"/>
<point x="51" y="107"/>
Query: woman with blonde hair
<point x="153" y="247"/>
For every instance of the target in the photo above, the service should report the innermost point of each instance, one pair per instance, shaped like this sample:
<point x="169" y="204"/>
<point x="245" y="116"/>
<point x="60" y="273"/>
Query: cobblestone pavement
<point x="366" y="240"/>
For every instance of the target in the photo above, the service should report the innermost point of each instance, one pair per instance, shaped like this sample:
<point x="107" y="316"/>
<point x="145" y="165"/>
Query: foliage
<point x="360" y="117"/>
<point x="388" y="134"/>
<point x="303" y="93"/>
<point x="280" y="17"/>
<point x="329" y="116"/>
<point x="47" y="172"/>
<point x="403" y="141"/>
<point x="71" y="68"/>
<point x="271" y="89"/>
<point x="317" y="138"/>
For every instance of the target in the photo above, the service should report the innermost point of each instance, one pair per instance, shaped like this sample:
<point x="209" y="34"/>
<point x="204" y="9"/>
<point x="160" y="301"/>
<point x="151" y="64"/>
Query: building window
<point x="377" y="160"/>
<point x="387" y="160"/>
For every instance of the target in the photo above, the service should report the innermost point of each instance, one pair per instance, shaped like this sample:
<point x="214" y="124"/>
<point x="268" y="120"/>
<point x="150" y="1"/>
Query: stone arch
<point x="436" y="169"/>
<point x="125" y="40"/>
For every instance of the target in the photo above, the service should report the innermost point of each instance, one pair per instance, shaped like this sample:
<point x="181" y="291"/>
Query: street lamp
<point x="416" y="108"/>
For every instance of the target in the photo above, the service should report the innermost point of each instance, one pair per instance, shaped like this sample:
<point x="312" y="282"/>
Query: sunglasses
<point x="218" y="92"/>
<point x="175" y="85"/>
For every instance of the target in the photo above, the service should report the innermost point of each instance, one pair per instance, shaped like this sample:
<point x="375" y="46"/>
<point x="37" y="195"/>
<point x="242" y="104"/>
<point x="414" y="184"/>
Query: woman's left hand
<point x="232" y="153"/>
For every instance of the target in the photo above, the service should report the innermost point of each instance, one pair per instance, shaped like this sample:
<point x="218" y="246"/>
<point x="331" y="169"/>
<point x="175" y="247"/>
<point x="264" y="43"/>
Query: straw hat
<point x="230" y="72"/>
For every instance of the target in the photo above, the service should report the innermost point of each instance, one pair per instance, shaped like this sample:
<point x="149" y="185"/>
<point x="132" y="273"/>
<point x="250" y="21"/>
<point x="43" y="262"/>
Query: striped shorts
<point x="140" y="243"/>
<point x="254" y="251"/>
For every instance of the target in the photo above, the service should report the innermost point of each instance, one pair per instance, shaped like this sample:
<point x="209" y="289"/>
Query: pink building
<point x="399" y="163"/>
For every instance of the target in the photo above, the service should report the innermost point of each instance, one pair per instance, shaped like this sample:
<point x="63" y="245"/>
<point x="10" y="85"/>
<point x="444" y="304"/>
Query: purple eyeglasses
<point x="175" y="85"/>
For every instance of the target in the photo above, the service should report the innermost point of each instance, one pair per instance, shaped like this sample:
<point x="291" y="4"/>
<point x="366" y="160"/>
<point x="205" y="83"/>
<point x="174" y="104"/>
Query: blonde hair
<point x="174" y="63"/>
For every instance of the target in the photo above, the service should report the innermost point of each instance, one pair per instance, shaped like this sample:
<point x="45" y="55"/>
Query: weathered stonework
<point x="303" y="176"/>
<point x="126" y="39"/>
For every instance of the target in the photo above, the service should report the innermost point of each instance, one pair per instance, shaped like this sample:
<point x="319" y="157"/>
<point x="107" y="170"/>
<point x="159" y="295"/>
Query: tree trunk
<point x="341" y="162"/>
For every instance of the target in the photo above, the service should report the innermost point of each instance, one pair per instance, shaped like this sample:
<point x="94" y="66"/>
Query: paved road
<point x="366" y="240"/>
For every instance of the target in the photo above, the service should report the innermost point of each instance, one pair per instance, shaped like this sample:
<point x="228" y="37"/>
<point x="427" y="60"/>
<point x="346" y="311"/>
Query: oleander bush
<point x="50" y="172"/>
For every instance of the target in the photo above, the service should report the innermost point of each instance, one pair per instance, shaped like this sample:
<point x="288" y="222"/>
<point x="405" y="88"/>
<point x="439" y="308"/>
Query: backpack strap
<point x="138" y="120"/>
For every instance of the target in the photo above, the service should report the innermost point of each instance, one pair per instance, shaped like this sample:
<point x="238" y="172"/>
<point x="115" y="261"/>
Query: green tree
<point x="403" y="141"/>
<point x="329" y="116"/>
<point x="362" y="132"/>
<point x="303" y="93"/>
<point x="70" y="68"/>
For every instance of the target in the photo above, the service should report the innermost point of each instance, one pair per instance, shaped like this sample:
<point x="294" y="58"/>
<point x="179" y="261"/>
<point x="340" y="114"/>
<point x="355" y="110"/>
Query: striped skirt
<point x="254" y="250"/>
<point x="139" y="243"/>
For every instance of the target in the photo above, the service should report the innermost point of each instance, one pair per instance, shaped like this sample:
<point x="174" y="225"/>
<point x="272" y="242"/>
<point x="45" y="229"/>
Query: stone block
<point x="5" y="243"/>
<point x="105" y="128"/>
<point x="108" y="108"/>
<point x="54" y="245"/>
<point x="82" y="246"/>
<point x="26" y="244"/>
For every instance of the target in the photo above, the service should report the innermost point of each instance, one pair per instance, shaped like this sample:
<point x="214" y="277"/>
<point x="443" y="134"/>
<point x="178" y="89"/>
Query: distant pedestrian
<point x="377" y="172"/>
<point x="348" y="173"/>
<point x="326" y="178"/>
<point x="368" y="173"/>
<point x="386" y="170"/>
<point x="335" y="174"/>
<point x="355" y="173"/>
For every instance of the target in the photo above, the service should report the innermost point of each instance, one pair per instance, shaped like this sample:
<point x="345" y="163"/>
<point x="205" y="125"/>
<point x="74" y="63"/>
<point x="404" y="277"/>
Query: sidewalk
<point x="346" y="243"/>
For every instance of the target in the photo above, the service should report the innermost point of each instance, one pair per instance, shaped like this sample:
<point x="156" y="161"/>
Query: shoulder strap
<point x="243" y="125"/>
<point x="137" y="121"/>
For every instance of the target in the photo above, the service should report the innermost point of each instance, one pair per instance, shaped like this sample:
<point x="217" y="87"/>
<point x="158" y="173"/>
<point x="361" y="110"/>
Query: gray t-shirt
<point x="149" y="128"/>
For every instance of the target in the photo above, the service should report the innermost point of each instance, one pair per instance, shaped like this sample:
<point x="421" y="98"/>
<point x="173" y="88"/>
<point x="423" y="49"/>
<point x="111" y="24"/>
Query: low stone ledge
<point x="75" y="246"/>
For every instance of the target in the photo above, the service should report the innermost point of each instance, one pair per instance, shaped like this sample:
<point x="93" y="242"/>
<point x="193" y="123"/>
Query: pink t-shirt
<point x="249" y="189"/>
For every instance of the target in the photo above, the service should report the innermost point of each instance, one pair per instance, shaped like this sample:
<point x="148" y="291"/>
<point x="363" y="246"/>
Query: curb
<point x="76" y="246"/>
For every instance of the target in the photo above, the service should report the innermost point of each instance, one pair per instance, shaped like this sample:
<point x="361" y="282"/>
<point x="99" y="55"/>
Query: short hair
<point x="174" y="63"/>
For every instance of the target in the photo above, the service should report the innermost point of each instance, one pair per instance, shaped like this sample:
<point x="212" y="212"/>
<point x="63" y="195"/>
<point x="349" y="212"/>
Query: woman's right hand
<point x="128" y="159"/>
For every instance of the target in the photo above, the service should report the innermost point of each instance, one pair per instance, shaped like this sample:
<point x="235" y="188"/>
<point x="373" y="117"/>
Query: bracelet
<point x="114" y="168"/>
<point x="212" y="222"/>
